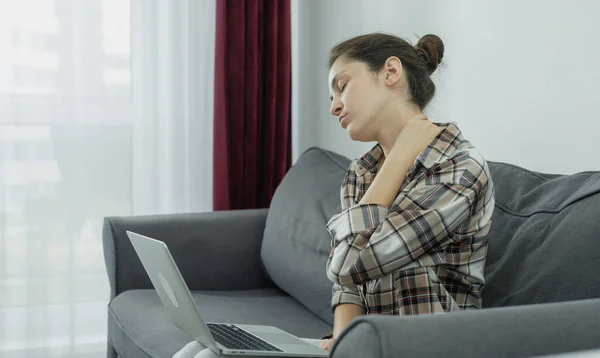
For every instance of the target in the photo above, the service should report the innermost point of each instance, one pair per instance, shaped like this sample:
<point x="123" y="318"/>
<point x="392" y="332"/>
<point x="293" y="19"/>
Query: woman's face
<point x="358" y="97"/>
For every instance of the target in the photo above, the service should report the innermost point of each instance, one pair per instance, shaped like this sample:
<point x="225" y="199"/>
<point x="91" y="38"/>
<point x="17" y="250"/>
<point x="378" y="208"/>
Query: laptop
<point x="221" y="338"/>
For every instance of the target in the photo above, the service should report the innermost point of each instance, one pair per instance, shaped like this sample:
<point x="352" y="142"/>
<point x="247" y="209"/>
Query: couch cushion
<point x="296" y="244"/>
<point x="544" y="244"/>
<point x="139" y="326"/>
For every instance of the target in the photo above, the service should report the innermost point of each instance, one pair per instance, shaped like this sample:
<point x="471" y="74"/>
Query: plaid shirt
<point x="426" y="252"/>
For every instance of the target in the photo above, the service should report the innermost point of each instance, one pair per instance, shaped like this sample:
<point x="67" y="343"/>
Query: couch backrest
<point x="296" y="244"/>
<point x="544" y="243"/>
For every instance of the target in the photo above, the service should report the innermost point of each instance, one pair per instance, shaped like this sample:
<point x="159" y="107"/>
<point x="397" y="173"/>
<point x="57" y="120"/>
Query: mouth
<point x="342" y="118"/>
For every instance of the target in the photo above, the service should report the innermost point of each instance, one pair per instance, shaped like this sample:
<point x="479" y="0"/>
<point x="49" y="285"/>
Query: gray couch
<point x="268" y="267"/>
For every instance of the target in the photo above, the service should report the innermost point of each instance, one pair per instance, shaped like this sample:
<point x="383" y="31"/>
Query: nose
<point x="336" y="107"/>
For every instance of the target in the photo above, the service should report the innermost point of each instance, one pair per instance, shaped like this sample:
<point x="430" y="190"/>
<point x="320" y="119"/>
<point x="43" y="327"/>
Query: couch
<point x="267" y="266"/>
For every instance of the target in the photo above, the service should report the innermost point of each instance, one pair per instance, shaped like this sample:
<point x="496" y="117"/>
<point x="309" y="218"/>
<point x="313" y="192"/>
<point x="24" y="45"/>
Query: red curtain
<point x="252" y="112"/>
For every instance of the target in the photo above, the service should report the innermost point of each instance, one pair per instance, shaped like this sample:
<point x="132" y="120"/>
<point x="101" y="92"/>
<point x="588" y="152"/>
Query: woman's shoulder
<point x="466" y="166"/>
<point x="467" y="155"/>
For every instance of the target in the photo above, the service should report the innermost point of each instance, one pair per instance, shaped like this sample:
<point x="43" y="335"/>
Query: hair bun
<point x="431" y="49"/>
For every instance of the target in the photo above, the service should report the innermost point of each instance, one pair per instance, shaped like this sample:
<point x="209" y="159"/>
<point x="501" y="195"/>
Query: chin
<point x="358" y="135"/>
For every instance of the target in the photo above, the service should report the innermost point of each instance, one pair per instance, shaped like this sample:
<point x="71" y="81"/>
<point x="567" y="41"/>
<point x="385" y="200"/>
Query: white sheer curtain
<point x="172" y="59"/>
<point x="105" y="109"/>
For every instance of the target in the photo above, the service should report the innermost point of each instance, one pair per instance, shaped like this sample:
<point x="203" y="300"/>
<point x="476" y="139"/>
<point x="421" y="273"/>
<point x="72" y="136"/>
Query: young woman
<point x="416" y="209"/>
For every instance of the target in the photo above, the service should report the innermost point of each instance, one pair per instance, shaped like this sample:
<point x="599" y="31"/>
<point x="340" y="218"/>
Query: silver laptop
<point x="223" y="339"/>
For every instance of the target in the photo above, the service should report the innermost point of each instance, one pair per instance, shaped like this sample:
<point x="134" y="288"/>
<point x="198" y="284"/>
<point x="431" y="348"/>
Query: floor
<point x="48" y="331"/>
<point x="81" y="351"/>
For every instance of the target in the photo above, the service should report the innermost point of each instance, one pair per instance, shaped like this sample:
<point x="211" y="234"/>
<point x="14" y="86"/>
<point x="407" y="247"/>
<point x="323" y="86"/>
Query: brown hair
<point x="418" y="61"/>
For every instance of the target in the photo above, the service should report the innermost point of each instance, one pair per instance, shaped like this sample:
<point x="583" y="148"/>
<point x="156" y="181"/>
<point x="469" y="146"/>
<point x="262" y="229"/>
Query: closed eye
<point x="341" y="90"/>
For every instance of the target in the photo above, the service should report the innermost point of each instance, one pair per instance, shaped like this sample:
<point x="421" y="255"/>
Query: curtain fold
<point x="172" y="76"/>
<point x="106" y="109"/>
<point x="65" y="164"/>
<point x="252" y="104"/>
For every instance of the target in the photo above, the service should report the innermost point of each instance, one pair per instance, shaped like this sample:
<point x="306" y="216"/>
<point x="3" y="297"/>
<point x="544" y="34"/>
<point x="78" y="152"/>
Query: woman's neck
<point x="393" y="123"/>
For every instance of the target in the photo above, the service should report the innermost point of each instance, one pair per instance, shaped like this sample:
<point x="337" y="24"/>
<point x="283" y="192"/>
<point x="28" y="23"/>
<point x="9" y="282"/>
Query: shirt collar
<point x="437" y="151"/>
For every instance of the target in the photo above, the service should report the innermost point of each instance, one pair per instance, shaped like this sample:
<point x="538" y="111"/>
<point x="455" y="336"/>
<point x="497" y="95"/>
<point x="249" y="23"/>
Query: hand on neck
<point x="394" y="121"/>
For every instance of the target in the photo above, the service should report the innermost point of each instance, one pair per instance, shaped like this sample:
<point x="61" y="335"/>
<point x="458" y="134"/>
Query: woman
<point x="416" y="209"/>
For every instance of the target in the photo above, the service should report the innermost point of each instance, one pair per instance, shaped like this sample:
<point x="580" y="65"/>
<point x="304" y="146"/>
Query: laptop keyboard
<point x="233" y="337"/>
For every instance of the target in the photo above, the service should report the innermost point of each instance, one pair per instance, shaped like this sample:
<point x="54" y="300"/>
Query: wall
<point x="520" y="78"/>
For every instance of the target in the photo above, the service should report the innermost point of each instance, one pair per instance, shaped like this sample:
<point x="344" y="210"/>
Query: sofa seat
<point x="140" y="327"/>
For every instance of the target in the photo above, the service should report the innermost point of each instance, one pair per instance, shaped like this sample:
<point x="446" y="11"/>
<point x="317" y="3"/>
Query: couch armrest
<point x="214" y="250"/>
<point x="520" y="331"/>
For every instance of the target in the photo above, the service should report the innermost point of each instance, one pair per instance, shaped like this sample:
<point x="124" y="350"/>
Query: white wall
<point x="521" y="78"/>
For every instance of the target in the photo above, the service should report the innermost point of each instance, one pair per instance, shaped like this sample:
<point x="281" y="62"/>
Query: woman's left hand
<point x="327" y="344"/>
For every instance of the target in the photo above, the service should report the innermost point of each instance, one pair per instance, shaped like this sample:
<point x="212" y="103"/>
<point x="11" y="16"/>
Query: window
<point x="65" y="163"/>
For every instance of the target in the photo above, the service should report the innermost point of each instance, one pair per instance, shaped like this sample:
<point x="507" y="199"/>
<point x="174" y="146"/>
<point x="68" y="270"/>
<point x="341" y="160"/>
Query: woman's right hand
<point x="417" y="133"/>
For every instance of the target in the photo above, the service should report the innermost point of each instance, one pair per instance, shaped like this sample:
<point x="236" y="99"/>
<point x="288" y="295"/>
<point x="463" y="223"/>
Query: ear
<point x="392" y="71"/>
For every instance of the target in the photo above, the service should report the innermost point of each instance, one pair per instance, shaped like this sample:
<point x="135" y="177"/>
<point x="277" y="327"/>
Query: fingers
<point x="327" y="344"/>
<point x="421" y="116"/>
